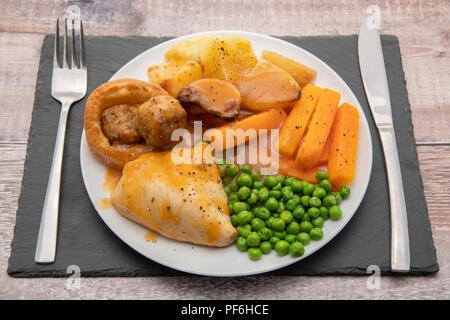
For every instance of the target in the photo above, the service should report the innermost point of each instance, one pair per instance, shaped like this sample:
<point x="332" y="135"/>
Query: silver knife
<point x="373" y="74"/>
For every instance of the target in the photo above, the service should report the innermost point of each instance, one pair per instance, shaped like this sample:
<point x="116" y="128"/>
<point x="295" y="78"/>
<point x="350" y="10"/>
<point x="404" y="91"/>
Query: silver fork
<point x="69" y="83"/>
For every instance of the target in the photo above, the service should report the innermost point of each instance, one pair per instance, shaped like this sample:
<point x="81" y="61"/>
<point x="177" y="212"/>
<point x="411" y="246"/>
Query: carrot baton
<point x="343" y="146"/>
<point x="310" y="150"/>
<point x="243" y="130"/>
<point x="295" y="126"/>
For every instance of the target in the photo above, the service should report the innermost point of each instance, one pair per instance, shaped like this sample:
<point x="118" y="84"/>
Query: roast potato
<point x="301" y="73"/>
<point x="174" y="74"/>
<point x="190" y="49"/>
<point x="266" y="87"/>
<point x="228" y="57"/>
<point x="223" y="57"/>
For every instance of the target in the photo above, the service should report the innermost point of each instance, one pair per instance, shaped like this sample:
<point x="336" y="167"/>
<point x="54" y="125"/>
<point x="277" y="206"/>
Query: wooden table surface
<point x="423" y="30"/>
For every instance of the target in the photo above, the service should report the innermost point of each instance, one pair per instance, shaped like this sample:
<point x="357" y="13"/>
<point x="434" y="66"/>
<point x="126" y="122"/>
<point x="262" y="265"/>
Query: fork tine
<point x="56" y="47"/>
<point x="74" y="54"/>
<point x="82" y="51"/>
<point x="66" y="47"/>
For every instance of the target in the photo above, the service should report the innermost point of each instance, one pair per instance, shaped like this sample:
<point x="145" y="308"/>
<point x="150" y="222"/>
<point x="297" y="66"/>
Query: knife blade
<point x="373" y="73"/>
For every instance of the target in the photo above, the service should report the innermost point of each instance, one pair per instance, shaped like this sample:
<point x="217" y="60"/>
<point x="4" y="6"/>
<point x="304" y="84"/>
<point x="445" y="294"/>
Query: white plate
<point x="227" y="261"/>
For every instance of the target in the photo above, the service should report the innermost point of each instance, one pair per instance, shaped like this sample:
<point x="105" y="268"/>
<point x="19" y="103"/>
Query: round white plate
<point x="227" y="261"/>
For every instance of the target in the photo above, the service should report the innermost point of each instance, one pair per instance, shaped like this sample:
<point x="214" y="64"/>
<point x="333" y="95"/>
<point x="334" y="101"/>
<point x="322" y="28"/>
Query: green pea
<point x="313" y="212"/>
<point x="255" y="176"/>
<point x="245" y="180"/>
<point x="241" y="243"/>
<point x="306" y="217"/>
<point x="257" y="184"/>
<point x="278" y="224"/>
<point x="308" y="189"/>
<point x="281" y="207"/>
<point x="344" y="191"/>
<point x="271" y="182"/>
<point x="244" y="230"/>
<point x="296" y="249"/>
<point x="252" y="199"/>
<point x="290" y="238"/>
<point x="329" y="201"/>
<point x="338" y="197"/>
<point x="289" y="181"/>
<point x="232" y="170"/>
<point x="278" y="187"/>
<point x="304" y="201"/>
<point x="315" y="202"/>
<point x="265" y="247"/>
<point x="286" y="216"/>
<point x="264" y="233"/>
<point x="273" y="241"/>
<point x="279" y="234"/>
<point x="320" y="175"/>
<point x="246" y="169"/>
<point x="254" y="253"/>
<point x="276" y="215"/>
<point x="234" y="186"/>
<point x="296" y="186"/>
<point x="257" y="224"/>
<point x="335" y="212"/>
<point x="318" y="222"/>
<point x="244" y="217"/>
<point x="275" y="194"/>
<point x="244" y="193"/>
<point x="263" y="194"/>
<point x="323" y="212"/>
<point x="227" y="190"/>
<point x="222" y="171"/>
<point x="319" y="193"/>
<point x="281" y="179"/>
<point x="291" y="205"/>
<point x="296" y="198"/>
<point x="304" y="238"/>
<point x="287" y="193"/>
<point x="239" y="206"/>
<point x="306" y="226"/>
<point x="298" y="212"/>
<point x="234" y="220"/>
<point x="253" y="240"/>
<point x="269" y="221"/>
<point x="227" y="180"/>
<point x="326" y="185"/>
<point x="282" y="247"/>
<point x="233" y="198"/>
<point x="263" y="213"/>
<point x="316" y="233"/>
<point x="304" y="183"/>
<point x="293" y="228"/>
<point x="272" y="204"/>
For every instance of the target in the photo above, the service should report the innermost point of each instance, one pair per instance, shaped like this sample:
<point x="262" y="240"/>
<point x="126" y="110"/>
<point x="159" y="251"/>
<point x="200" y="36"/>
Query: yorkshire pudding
<point x="117" y="93"/>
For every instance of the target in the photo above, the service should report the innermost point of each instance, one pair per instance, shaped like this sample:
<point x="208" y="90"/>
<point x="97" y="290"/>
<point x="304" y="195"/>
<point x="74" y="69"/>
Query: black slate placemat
<point x="84" y="240"/>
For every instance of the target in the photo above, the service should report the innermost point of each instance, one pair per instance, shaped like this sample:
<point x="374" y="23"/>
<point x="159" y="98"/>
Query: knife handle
<point x="400" y="255"/>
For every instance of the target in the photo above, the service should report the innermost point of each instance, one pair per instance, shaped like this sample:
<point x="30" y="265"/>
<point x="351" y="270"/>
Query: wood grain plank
<point x="435" y="169"/>
<point x="19" y="61"/>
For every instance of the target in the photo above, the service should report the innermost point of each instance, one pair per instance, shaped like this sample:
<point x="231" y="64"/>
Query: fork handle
<point x="46" y="242"/>
<point x="400" y="255"/>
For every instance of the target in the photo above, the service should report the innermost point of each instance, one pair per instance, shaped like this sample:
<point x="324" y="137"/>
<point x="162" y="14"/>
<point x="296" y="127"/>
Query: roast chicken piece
<point x="185" y="202"/>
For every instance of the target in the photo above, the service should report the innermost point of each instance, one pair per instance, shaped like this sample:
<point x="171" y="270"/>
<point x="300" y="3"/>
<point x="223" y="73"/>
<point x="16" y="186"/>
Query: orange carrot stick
<point x="323" y="160"/>
<point x="288" y="167"/>
<point x="343" y="146"/>
<point x="296" y="123"/>
<point x="310" y="150"/>
<point x="243" y="130"/>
